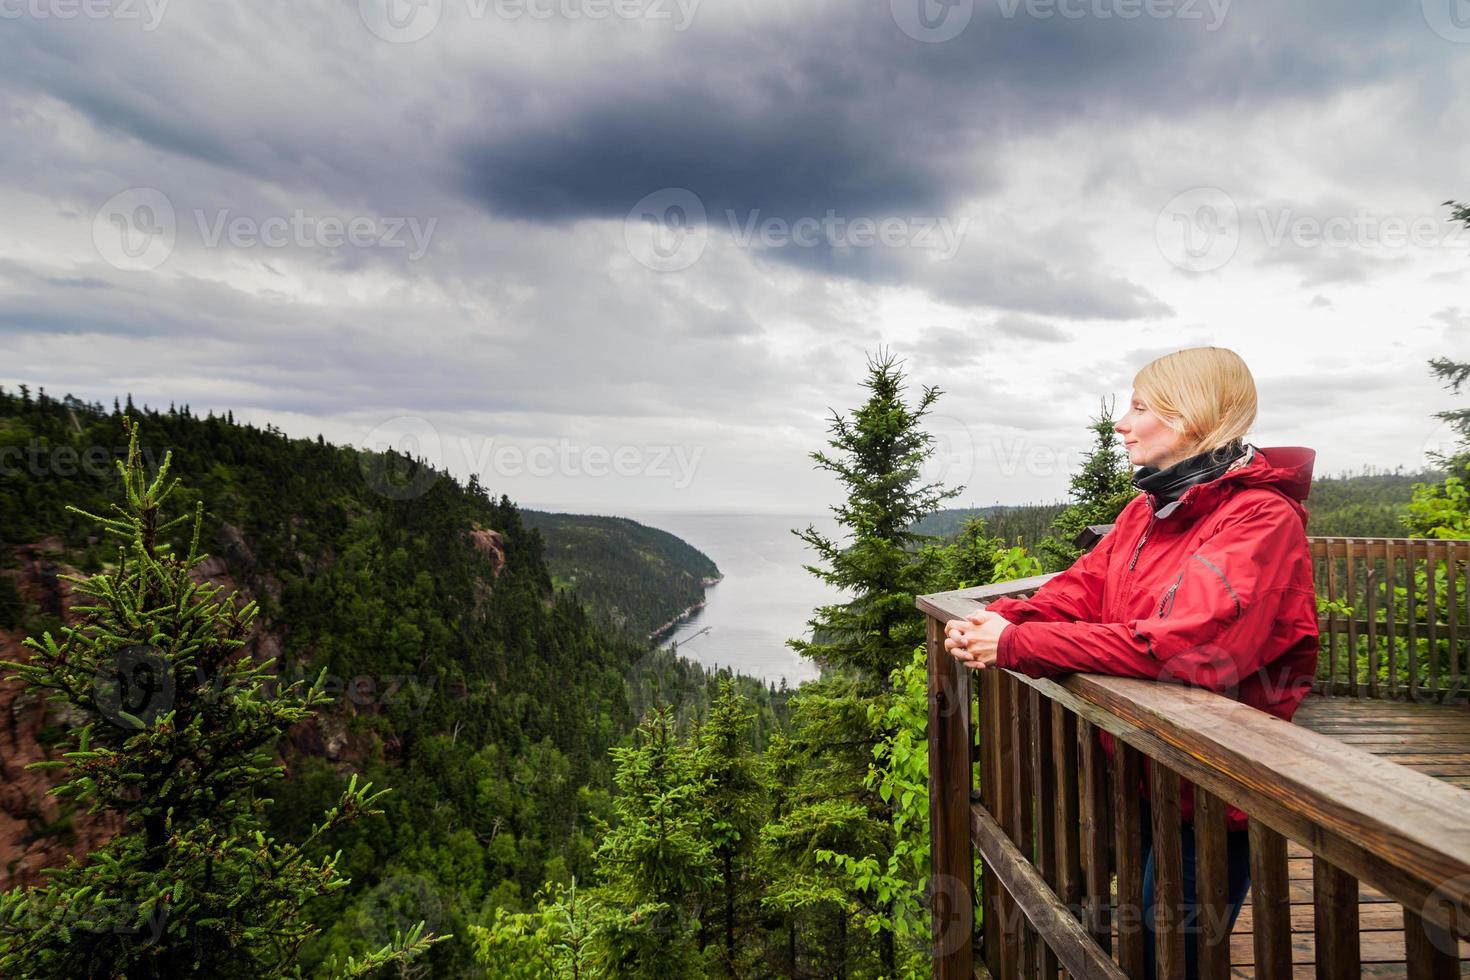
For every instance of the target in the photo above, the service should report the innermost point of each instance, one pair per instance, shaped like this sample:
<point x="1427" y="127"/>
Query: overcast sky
<point x="628" y="256"/>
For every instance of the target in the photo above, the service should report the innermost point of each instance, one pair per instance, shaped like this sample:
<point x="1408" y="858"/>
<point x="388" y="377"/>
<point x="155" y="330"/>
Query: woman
<point x="1205" y="579"/>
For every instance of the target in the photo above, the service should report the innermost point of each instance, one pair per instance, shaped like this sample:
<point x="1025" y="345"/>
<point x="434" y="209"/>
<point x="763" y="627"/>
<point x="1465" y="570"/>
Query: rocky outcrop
<point x="491" y="545"/>
<point x="37" y="830"/>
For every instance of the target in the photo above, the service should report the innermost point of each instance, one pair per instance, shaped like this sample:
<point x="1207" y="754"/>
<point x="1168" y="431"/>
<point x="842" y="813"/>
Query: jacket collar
<point x="1285" y="469"/>
<point x="1167" y="486"/>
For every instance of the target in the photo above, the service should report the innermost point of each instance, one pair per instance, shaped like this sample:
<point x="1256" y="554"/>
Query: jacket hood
<point x="1287" y="469"/>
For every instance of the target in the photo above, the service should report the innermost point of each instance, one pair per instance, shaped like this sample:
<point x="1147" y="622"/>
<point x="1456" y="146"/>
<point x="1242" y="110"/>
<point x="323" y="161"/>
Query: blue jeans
<point x="1237" y="860"/>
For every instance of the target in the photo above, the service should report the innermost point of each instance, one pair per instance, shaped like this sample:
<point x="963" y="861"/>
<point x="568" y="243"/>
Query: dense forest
<point x="485" y="697"/>
<point x="638" y="578"/>
<point x="562" y="798"/>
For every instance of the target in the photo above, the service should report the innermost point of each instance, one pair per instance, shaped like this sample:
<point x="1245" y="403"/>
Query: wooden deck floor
<point x="1433" y="739"/>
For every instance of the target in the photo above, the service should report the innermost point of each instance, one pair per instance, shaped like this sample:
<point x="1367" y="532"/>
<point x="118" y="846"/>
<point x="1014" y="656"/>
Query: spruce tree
<point x="656" y="861"/>
<point x="859" y="644"/>
<point x="1442" y="509"/>
<point x="1100" y="490"/>
<point x="733" y="805"/>
<point x="178" y="740"/>
<point x="879" y="452"/>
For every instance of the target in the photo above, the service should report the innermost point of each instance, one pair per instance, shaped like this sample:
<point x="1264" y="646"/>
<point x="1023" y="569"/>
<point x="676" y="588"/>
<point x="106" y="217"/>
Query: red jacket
<point x="1214" y="590"/>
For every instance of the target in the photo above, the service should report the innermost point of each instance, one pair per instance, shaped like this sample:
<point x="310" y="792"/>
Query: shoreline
<point x="688" y="611"/>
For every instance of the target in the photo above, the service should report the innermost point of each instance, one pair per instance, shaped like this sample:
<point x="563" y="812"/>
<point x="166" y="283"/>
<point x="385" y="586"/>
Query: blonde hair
<point x="1206" y="394"/>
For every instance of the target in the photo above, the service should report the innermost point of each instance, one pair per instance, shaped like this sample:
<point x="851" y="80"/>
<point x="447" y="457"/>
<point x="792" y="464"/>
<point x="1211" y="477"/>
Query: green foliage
<point x="636" y="576"/>
<point x="1014" y="563"/>
<point x="733" y="803"/>
<point x="879" y="451"/>
<point x="1366" y="504"/>
<point x="656" y="860"/>
<point x="900" y="776"/>
<point x="555" y="942"/>
<point x="1440" y="510"/>
<point x="1025" y="525"/>
<point x="1100" y="491"/>
<point x="970" y="559"/>
<point x="489" y="701"/>
<point x="177" y="741"/>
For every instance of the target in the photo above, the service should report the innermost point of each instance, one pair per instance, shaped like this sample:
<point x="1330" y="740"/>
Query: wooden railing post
<point x="952" y="889"/>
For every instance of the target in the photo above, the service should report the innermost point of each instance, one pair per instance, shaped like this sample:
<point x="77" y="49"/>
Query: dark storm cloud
<point x="845" y="111"/>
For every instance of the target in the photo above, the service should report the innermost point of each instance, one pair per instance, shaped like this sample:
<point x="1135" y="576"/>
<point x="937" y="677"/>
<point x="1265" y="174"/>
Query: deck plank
<point x="1435" y="740"/>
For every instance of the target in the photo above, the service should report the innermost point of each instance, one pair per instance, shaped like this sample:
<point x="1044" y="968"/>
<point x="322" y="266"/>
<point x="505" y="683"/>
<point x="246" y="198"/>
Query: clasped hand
<point x="974" y="640"/>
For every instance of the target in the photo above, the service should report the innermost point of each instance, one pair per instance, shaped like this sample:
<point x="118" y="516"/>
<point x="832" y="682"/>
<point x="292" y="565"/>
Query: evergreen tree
<point x="178" y="737"/>
<point x="1100" y="491"/>
<point x="971" y="556"/>
<point x="555" y="942"/>
<point x="732" y="798"/>
<point x="826" y="822"/>
<point x="657" y="860"/>
<point x="878" y="455"/>
<point x="1442" y="509"/>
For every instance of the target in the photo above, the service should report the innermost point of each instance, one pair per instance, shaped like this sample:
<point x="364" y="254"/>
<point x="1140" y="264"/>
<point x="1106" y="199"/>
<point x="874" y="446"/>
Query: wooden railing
<point x="1057" y="825"/>
<point x="1402" y="639"/>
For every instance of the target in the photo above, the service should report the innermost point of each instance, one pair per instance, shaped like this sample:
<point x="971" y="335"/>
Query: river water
<point x="765" y="598"/>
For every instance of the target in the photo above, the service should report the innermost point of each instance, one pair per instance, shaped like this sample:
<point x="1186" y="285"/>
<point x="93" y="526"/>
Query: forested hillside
<point x="1371" y="503"/>
<point x="486" y="698"/>
<point x="624" y="570"/>
<point x="1023" y="524"/>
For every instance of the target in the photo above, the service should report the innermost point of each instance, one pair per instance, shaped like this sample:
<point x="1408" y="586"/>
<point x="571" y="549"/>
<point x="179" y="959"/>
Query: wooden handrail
<point x="1364" y="818"/>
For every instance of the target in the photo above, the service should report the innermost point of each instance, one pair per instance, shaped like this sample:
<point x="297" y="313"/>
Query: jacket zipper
<point x="1168" y="600"/>
<point x="1151" y="518"/>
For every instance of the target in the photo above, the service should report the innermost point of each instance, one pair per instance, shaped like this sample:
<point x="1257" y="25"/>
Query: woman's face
<point x="1148" y="440"/>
